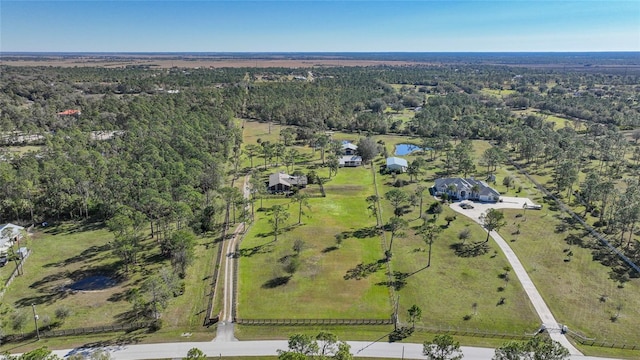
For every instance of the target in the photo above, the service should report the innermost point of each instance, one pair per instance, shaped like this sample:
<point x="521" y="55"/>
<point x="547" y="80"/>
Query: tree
<point x="126" y="225"/>
<point x="42" y="353"/>
<point x="195" y="354"/>
<point x="491" y="158"/>
<point x="442" y="347"/>
<point x="18" y="321"/>
<point x="252" y="150"/>
<point x="492" y="219"/>
<point x="464" y="234"/>
<point x="372" y="200"/>
<point x="158" y="289"/>
<point x="334" y="164"/>
<point x="322" y="142"/>
<point x="537" y="348"/>
<point x="303" y="344"/>
<point x="290" y="157"/>
<point x="326" y="343"/>
<point x="508" y="181"/>
<point x="420" y="194"/>
<point x="415" y="169"/>
<point x="181" y="250"/>
<point x="449" y="219"/>
<point x="367" y="149"/>
<point x="397" y="198"/>
<point x="415" y="314"/>
<point x="279" y="216"/>
<point x="429" y="235"/>
<point x="396" y="225"/>
<point x="303" y="201"/>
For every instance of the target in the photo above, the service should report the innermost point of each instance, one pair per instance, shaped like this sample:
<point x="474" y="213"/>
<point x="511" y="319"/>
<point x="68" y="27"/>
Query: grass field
<point x="65" y="253"/>
<point x="318" y="289"/>
<point x="578" y="289"/>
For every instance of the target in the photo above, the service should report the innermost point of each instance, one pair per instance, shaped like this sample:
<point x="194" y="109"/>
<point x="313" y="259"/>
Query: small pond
<point x="94" y="282"/>
<point x="405" y="149"/>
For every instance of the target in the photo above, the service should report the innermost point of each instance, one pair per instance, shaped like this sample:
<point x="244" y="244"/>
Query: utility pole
<point x="35" y="320"/>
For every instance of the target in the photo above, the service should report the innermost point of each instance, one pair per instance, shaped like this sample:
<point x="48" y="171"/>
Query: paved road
<point x="532" y="292"/>
<point x="266" y="348"/>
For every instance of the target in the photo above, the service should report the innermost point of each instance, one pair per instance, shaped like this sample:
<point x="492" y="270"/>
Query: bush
<point x="156" y="325"/>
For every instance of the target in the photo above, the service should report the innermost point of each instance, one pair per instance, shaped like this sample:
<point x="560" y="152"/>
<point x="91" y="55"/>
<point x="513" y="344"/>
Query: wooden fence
<point x="284" y="322"/>
<point x="76" y="331"/>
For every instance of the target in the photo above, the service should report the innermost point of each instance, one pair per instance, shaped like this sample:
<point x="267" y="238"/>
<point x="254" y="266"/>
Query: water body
<point x="96" y="282"/>
<point x="405" y="149"/>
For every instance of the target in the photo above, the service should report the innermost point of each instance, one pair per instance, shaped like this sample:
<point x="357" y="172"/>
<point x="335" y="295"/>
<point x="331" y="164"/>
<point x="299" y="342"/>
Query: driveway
<point x="543" y="311"/>
<point x="479" y="208"/>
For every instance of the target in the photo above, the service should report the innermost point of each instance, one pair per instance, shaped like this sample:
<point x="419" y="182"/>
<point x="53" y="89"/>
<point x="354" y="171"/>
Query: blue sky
<point x="317" y="26"/>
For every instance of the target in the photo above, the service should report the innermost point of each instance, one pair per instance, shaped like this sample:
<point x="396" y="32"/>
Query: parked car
<point x="3" y="260"/>
<point x="466" y="206"/>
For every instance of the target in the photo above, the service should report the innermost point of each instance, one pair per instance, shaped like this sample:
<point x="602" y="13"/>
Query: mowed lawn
<point x="448" y="289"/>
<point x="579" y="291"/>
<point x="318" y="288"/>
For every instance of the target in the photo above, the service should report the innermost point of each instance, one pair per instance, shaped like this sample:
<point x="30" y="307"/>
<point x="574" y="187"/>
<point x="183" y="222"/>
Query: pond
<point x="404" y="149"/>
<point x="94" y="282"/>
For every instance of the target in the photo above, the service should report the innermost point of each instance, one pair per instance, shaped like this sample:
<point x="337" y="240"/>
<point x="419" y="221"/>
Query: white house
<point x="465" y="189"/>
<point x="349" y="148"/>
<point x="397" y="164"/>
<point x="9" y="233"/>
<point x="350" y="161"/>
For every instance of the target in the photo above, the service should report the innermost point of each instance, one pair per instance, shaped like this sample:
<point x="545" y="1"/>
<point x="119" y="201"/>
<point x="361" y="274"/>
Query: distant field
<point x="161" y="63"/>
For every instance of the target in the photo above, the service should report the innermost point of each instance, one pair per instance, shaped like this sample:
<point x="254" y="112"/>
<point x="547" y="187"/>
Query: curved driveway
<point x="540" y="306"/>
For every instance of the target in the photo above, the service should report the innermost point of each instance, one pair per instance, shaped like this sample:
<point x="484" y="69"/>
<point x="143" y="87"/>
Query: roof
<point x="348" y="145"/>
<point x="15" y="230"/>
<point x="397" y="161"/>
<point x="286" y="179"/>
<point x="466" y="184"/>
<point x="69" y="112"/>
<point x="345" y="158"/>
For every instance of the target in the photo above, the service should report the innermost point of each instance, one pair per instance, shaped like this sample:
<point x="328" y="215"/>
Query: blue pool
<point x="404" y="149"/>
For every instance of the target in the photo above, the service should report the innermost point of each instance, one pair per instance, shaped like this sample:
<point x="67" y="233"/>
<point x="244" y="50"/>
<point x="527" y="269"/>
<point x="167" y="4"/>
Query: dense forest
<point x="162" y="142"/>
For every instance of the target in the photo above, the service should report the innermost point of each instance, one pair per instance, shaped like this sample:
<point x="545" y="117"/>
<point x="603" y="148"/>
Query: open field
<point x="66" y="253"/>
<point x="318" y="288"/>
<point x="577" y="288"/>
<point x="185" y="62"/>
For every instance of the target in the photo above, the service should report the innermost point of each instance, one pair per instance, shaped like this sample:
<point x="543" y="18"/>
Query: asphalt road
<point x="269" y="348"/>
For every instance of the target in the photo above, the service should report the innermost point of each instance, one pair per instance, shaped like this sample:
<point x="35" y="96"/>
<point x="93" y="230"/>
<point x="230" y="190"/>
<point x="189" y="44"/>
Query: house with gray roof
<point x="281" y="182"/>
<point x="396" y="164"/>
<point x="465" y="189"/>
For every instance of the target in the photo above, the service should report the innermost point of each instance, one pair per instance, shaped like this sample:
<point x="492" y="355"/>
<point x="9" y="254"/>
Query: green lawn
<point x="318" y="288"/>
<point x="579" y="292"/>
<point x="68" y="252"/>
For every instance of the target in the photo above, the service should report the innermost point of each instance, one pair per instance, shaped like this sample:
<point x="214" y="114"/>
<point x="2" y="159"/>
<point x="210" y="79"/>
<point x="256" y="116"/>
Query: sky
<point x="319" y="26"/>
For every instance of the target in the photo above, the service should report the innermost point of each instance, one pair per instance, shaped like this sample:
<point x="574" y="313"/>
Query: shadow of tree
<point x="329" y="249"/>
<point x="260" y="249"/>
<point x="276" y="281"/>
<point x="470" y="250"/>
<point x="362" y="270"/>
<point x="83" y="256"/>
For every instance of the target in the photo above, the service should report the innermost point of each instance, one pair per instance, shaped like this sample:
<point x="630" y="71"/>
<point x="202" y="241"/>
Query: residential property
<point x="349" y="148"/>
<point x="70" y="112"/>
<point x="284" y="183"/>
<point x="9" y="233"/>
<point x="350" y="161"/>
<point x="396" y="164"/>
<point x="465" y="189"/>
